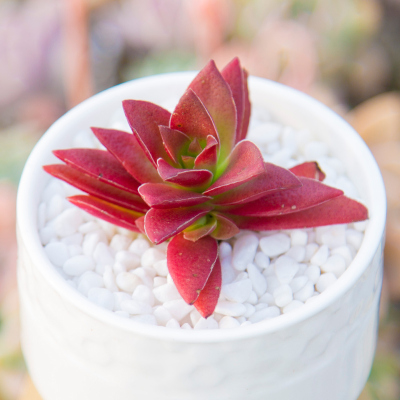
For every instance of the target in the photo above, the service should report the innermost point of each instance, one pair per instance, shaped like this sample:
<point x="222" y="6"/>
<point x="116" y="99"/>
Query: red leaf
<point x="340" y="210"/>
<point x="161" y="224"/>
<point x="195" y="148"/>
<point x="125" y="148"/>
<point x="233" y="75"/>
<point x="191" y="117"/>
<point x="144" y="118"/>
<point x="192" y="178"/>
<point x="96" y="188"/>
<point x="208" y="298"/>
<point x="215" y="94"/>
<point x="190" y="264"/>
<point x="225" y="229"/>
<point x="101" y="165"/>
<point x="247" y="109"/>
<point x="161" y="195"/>
<point x="207" y="159"/>
<point x="198" y="233"/>
<point x="244" y="163"/>
<point x="310" y="194"/>
<point x="274" y="178"/>
<point x="175" y="142"/>
<point x="309" y="169"/>
<point x="108" y="212"/>
<point x="140" y="224"/>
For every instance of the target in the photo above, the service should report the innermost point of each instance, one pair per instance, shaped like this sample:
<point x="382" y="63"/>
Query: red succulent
<point x="191" y="177"/>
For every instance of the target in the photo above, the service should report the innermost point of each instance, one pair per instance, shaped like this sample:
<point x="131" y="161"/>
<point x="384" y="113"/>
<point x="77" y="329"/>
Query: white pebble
<point x="68" y="222"/>
<point x="345" y="252"/>
<point x="144" y="294"/>
<point x="57" y="253"/>
<point x="128" y="259"/>
<point x="47" y="234"/>
<point x="120" y="242"/>
<point x="228" y="323"/>
<point x="102" y="254"/>
<point x="145" y="275"/>
<point x="283" y="295"/>
<point x="298" y="283"/>
<point x="195" y="317"/>
<point x="102" y="297"/>
<point x="91" y="240"/>
<point x="109" y="279"/>
<point x="354" y="238"/>
<point x="159" y="280"/>
<point x="186" y="326"/>
<point x="335" y="236"/>
<point x="314" y="150"/>
<point x="172" y="324"/>
<point x="74" y="250"/>
<point x="77" y="265"/>
<point x="55" y="207"/>
<point x="88" y="227"/>
<point x="74" y="239"/>
<point x="252" y="298"/>
<point x="230" y="309"/>
<point x="250" y="310"/>
<point x="272" y="283"/>
<point x="324" y="281"/>
<point x="238" y="291"/>
<point x="265" y="313"/>
<point x="151" y="256"/>
<point x="162" y="315"/>
<point x="225" y="250"/>
<point x="360" y="226"/>
<point x="244" y="251"/>
<point x="335" y="264"/>
<point x="321" y="256"/>
<point x="127" y="281"/>
<point x="41" y="220"/>
<point x="311" y="249"/>
<point x="275" y="245"/>
<point x="135" y="307"/>
<point x="119" y="297"/>
<point x="166" y="293"/>
<point x="285" y="269"/>
<point x="293" y="305"/>
<point x="305" y="292"/>
<point x="178" y="308"/>
<point x="260" y="306"/>
<point x="313" y="273"/>
<point x="298" y="253"/>
<point x="139" y="246"/>
<point x="298" y="238"/>
<point x="262" y="260"/>
<point x="227" y="270"/>
<point x="161" y="267"/>
<point x="267" y="298"/>
<point x="89" y="280"/>
<point x="257" y="280"/>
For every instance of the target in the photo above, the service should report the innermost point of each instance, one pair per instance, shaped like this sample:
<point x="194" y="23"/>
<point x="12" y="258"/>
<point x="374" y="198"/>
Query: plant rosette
<point x="75" y="349"/>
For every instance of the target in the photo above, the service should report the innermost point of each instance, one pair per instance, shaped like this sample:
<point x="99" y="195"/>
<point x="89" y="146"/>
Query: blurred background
<point x="54" y="54"/>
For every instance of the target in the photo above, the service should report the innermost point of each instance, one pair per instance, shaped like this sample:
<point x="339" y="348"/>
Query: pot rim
<point x="28" y="232"/>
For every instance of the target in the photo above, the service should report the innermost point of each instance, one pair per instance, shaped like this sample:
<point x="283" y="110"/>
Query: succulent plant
<point x="191" y="177"/>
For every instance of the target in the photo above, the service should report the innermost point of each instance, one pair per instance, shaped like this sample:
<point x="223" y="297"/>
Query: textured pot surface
<point x="75" y="350"/>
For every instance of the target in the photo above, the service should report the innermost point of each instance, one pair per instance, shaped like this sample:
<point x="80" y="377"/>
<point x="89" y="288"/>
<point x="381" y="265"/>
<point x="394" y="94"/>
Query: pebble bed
<point x="264" y="274"/>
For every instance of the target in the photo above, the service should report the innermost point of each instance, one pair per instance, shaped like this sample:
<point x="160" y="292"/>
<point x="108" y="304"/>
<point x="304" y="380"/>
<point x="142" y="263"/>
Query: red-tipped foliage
<point x="190" y="177"/>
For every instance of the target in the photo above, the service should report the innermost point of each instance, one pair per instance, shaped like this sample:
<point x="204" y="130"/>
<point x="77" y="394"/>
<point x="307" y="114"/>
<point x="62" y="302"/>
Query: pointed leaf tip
<point x="208" y="298"/>
<point x="215" y="94"/>
<point x="190" y="264"/>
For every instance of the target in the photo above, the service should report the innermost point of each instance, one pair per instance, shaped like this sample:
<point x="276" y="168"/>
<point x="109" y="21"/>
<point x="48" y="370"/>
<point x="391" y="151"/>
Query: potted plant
<point x="75" y="349"/>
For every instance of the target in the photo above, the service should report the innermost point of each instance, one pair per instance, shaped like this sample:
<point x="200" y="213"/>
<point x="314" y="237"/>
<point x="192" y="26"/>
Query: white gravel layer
<point x="264" y="274"/>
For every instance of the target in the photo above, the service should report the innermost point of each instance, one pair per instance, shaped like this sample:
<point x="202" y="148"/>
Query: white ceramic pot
<point x="324" y="350"/>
